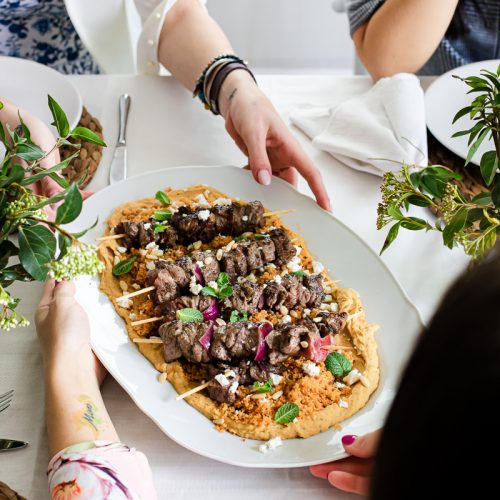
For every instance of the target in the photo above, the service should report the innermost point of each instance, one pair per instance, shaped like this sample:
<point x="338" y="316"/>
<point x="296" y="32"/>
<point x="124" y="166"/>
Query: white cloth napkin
<point x="368" y="131"/>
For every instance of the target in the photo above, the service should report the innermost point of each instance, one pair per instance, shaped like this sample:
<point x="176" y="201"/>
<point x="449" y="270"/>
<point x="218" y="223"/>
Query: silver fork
<point x="6" y="399"/>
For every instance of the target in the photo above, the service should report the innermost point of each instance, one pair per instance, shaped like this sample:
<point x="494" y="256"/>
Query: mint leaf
<point x="162" y="198"/>
<point x="263" y="387"/>
<point x="300" y="274"/>
<point x="238" y="316"/>
<point x="222" y="280"/>
<point x="240" y="238"/>
<point x="286" y="413"/>
<point x="190" y="315"/>
<point x="124" y="266"/>
<point x="208" y="290"/>
<point x="162" y="214"/>
<point x="225" y="291"/>
<point x="259" y="236"/>
<point x="338" y="364"/>
<point x="159" y="228"/>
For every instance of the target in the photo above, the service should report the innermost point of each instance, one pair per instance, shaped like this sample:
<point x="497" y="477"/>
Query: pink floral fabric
<point x="100" y="470"/>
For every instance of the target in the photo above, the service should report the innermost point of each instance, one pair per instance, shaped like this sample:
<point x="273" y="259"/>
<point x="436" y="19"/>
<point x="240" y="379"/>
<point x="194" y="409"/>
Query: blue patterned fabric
<point x="481" y="41"/>
<point x="41" y="30"/>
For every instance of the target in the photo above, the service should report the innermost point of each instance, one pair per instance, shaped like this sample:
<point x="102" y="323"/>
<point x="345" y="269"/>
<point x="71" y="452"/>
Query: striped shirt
<point x="480" y="42"/>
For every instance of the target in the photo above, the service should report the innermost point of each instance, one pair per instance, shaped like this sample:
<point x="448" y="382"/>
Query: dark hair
<point x="442" y="425"/>
<point x="458" y="26"/>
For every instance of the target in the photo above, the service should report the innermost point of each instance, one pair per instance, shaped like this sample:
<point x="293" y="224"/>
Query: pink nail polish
<point x="349" y="439"/>
<point x="264" y="177"/>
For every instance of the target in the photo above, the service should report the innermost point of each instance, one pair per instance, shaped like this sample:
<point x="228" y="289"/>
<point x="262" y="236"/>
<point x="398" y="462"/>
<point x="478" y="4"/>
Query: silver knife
<point x="118" y="170"/>
<point x="11" y="445"/>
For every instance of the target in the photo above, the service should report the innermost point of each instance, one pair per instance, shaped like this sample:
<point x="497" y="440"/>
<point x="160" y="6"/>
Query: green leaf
<point x="263" y="387"/>
<point x="338" y="365"/>
<point x="162" y="198"/>
<point x="3" y="138"/>
<point x="44" y="172"/>
<point x="495" y="195"/>
<point x="482" y="199"/>
<point x="391" y="236"/>
<point x="162" y="214"/>
<point x="260" y="236"/>
<point x="489" y="166"/>
<point x="159" y="228"/>
<point x="37" y="246"/>
<point x="462" y="112"/>
<point x="238" y="316"/>
<point x="442" y="172"/>
<point x="72" y="206"/>
<point x="241" y="237"/>
<point x="225" y="291"/>
<point x="124" y="266"/>
<point x="418" y="201"/>
<point x="300" y="274"/>
<point x="64" y="245"/>
<point x="414" y="223"/>
<point x="14" y="273"/>
<point x="61" y="181"/>
<point x="222" y="280"/>
<point x="394" y="211"/>
<point x="26" y="130"/>
<point x="59" y="117"/>
<point x="208" y="290"/>
<point x="85" y="231"/>
<point x="190" y="315"/>
<point x="455" y="225"/>
<point x="7" y="250"/>
<point x="29" y="151"/>
<point x="475" y="146"/>
<point x="433" y="185"/>
<point x="86" y="135"/>
<point x="286" y="413"/>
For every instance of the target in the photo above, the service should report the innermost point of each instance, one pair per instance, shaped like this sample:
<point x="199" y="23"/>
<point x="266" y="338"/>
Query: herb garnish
<point x="190" y="315"/>
<point x="162" y="214"/>
<point x="223" y="288"/>
<point x="162" y="198"/>
<point x="256" y="236"/>
<point x="338" y="364"/>
<point x="300" y="274"/>
<point x="238" y="316"/>
<point x="263" y="387"/>
<point x="159" y="228"/>
<point x="286" y="413"/>
<point x="124" y="266"/>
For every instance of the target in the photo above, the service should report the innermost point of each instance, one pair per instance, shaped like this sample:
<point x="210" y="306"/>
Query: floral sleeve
<point x="100" y="470"/>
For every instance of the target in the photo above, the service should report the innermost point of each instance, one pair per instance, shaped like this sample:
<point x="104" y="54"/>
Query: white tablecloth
<point x="168" y="128"/>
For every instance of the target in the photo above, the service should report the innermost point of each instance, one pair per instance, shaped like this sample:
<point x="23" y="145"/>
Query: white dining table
<point x="168" y="128"/>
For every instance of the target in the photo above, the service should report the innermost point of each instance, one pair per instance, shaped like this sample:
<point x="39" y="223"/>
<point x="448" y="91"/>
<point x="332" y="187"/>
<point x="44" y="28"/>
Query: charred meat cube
<point x="245" y="297"/>
<point x="236" y="219"/>
<point x="235" y="263"/>
<point x="253" y="255"/>
<point x="131" y="232"/>
<point x="285" y="341"/>
<point x="314" y="283"/>
<point x="185" y="338"/>
<point x="223" y="219"/>
<point x="274" y="295"/>
<point x="253" y="216"/>
<point x="235" y="340"/>
<point x="284" y="248"/>
<point x="267" y="250"/>
<point x="168" y="310"/>
<point x="207" y="229"/>
<point x="293" y="287"/>
<point x="331" y="323"/>
<point x="210" y="267"/>
<point x="165" y="286"/>
<point x="167" y="238"/>
<point x="223" y="393"/>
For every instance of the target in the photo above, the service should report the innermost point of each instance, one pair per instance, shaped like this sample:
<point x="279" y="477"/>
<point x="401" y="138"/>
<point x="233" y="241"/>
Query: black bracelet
<point x="219" y="80"/>
<point x="198" y="90"/>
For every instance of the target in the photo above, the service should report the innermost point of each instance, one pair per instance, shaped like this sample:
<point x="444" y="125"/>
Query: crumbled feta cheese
<point x="121" y="249"/>
<point x="244" y="218"/>
<point x="286" y="319"/>
<point x="295" y="264"/>
<point x="201" y="201"/>
<point x="311" y="369"/>
<point x="274" y="443"/>
<point x="325" y="307"/>
<point x="151" y="245"/>
<point x="136" y="286"/>
<point x="230" y="373"/>
<point x="334" y="307"/>
<point x="194" y="286"/>
<point x="150" y="265"/>
<point x="240" y="279"/>
<point x="278" y="279"/>
<point x="147" y="225"/>
<point x="222" y="379"/>
<point x="352" y="377"/>
<point x="275" y="378"/>
<point x="203" y="214"/>
<point x="295" y="420"/>
<point x="234" y="387"/>
<point x="132" y="316"/>
<point x="340" y="385"/>
<point x="125" y="303"/>
<point x="328" y="298"/>
<point x="251" y="277"/>
<point x="263" y="448"/>
<point x="272" y="227"/>
<point x="200" y="264"/>
<point x="297" y="250"/>
<point x="222" y="201"/>
<point x="263" y="400"/>
<point x="307" y="311"/>
<point x="328" y="289"/>
<point x="343" y="404"/>
<point x="271" y="266"/>
<point x="318" y="267"/>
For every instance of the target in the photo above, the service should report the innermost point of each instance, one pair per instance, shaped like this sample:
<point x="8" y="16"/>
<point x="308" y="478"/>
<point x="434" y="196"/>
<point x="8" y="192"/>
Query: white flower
<point x="80" y="259"/>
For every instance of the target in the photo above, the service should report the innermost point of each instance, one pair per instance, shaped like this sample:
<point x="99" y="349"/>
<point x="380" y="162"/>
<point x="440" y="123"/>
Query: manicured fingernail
<point x="264" y="177"/>
<point x="349" y="439"/>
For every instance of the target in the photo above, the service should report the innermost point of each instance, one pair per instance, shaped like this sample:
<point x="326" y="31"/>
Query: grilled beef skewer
<point x="171" y="278"/>
<point x="188" y="225"/>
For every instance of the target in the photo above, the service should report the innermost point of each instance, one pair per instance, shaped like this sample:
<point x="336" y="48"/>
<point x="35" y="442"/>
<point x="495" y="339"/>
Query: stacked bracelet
<point x="210" y="82"/>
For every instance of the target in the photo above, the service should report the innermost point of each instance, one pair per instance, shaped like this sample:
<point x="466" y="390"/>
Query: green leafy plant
<point x="338" y="364"/>
<point x="31" y="246"/>
<point x="470" y="221"/>
<point x="189" y="315"/>
<point x="238" y="316"/>
<point x="286" y="413"/>
<point x="263" y="387"/>
<point x="220" y="289"/>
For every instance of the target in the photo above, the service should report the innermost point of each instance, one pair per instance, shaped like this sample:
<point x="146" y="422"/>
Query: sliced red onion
<point x="264" y="330"/>
<point x="206" y="339"/>
<point x="317" y="349"/>
<point x="211" y="313"/>
<point x="198" y="274"/>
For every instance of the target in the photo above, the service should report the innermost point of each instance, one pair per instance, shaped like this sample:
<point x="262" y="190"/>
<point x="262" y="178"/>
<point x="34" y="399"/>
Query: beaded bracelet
<point x="211" y="73"/>
<point x="198" y="89"/>
<point x="219" y="80"/>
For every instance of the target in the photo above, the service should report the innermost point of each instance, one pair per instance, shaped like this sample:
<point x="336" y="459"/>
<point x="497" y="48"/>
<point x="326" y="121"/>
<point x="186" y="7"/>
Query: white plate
<point x="27" y="84"/>
<point x="444" y="98"/>
<point x="344" y="253"/>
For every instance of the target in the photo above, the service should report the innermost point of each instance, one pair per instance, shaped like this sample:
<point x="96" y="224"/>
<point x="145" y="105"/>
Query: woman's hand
<point x="352" y="474"/>
<point x="257" y="129"/>
<point x="63" y="329"/>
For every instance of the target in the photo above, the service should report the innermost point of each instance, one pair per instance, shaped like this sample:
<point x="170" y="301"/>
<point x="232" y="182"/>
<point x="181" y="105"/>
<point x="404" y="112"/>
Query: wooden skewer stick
<point x="279" y="212"/>
<point x="153" y="340"/>
<point x="111" y="237"/>
<point x="144" y="321"/>
<point x="192" y="391"/>
<point x="138" y="292"/>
